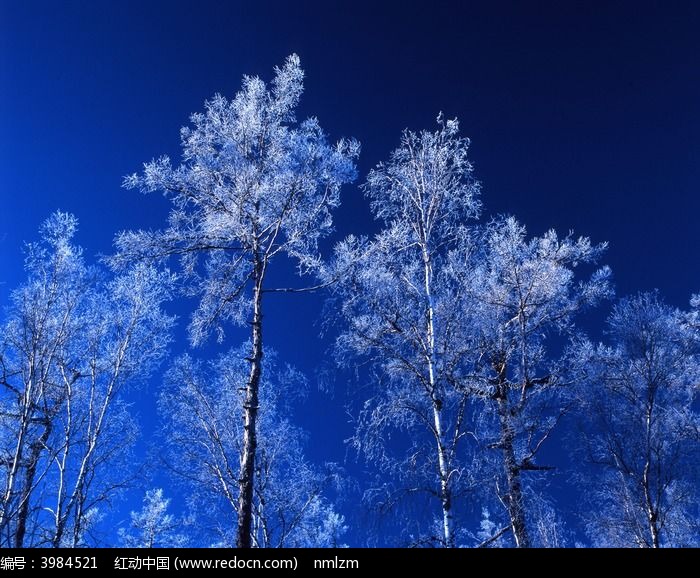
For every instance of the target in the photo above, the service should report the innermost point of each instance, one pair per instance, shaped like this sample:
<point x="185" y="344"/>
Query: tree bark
<point x="35" y="454"/>
<point x="649" y="506"/>
<point x="27" y="410"/>
<point x="246" y="477"/>
<point x="514" y="496"/>
<point x="445" y="488"/>
<point x="437" y="403"/>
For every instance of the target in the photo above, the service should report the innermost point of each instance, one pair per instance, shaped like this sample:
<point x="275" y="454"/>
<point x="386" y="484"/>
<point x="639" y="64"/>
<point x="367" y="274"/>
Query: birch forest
<point x="494" y="388"/>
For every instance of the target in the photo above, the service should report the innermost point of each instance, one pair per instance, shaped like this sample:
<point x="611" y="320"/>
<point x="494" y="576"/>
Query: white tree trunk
<point x="437" y="403"/>
<point x="246" y="480"/>
<point x="513" y="498"/>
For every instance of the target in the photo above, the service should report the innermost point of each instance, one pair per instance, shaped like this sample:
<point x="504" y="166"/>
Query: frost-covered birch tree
<point x="153" y="526"/>
<point x="204" y="444"/>
<point x="71" y="342"/>
<point x="37" y="362"/>
<point x="402" y="315"/>
<point x="254" y="184"/>
<point x="643" y="434"/>
<point x="125" y="337"/>
<point x="521" y="293"/>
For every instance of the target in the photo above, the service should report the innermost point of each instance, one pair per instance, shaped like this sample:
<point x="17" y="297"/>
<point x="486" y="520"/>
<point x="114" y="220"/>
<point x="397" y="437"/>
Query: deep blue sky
<point x="582" y="116"/>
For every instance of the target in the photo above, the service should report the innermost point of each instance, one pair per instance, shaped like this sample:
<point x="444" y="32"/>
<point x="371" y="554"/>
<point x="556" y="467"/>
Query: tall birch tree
<point x="73" y="340"/>
<point x="520" y="293"/>
<point x="253" y="184"/>
<point x="37" y="362"/>
<point x="401" y="312"/>
<point x="643" y="434"/>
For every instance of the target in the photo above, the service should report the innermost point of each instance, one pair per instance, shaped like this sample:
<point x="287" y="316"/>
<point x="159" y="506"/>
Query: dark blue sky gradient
<point x="582" y="116"/>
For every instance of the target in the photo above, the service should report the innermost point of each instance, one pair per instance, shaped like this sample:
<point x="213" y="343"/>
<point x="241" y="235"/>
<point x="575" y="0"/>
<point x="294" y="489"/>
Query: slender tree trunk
<point x="78" y="527"/>
<point x="63" y="508"/>
<point x="650" y="510"/>
<point x="649" y="507"/>
<point x="61" y="520"/>
<point x="17" y="457"/>
<point x="30" y="474"/>
<point x="514" y="496"/>
<point x="437" y="403"/>
<point x="445" y="488"/>
<point x="11" y="477"/>
<point x="246" y="477"/>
